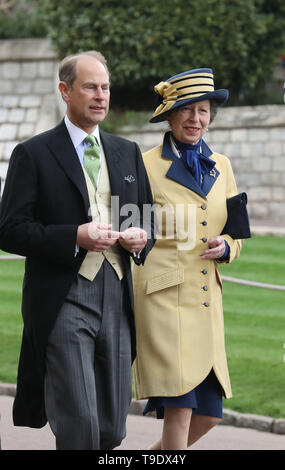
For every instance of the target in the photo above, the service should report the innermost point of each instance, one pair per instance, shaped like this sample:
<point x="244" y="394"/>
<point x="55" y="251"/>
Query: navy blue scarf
<point x="194" y="160"/>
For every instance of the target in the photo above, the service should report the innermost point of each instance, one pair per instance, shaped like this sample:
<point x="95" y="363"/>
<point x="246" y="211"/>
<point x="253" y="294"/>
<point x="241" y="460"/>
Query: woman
<point x="181" y="362"/>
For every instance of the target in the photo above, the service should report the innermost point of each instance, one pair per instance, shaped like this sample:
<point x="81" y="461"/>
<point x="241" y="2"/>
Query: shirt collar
<point x="77" y="134"/>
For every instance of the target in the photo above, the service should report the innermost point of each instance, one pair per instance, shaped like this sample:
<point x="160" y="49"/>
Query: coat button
<point x="204" y="271"/>
<point x="204" y="222"/>
<point x="206" y="304"/>
<point x="203" y="207"/>
<point x="205" y="287"/>
<point x="204" y="239"/>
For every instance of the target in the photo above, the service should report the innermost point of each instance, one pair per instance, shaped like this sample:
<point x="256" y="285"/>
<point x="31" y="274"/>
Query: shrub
<point x="20" y="19"/>
<point x="148" y="41"/>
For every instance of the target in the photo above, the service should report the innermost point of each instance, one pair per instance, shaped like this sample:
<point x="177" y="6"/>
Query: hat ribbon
<point x="169" y="94"/>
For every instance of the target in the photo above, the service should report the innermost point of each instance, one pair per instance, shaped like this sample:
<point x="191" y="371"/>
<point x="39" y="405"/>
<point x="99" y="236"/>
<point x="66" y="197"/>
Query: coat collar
<point x="114" y="161"/>
<point x="63" y="150"/>
<point x="179" y="173"/>
<point x="111" y="150"/>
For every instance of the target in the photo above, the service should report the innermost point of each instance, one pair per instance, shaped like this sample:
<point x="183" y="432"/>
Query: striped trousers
<point x="88" y="365"/>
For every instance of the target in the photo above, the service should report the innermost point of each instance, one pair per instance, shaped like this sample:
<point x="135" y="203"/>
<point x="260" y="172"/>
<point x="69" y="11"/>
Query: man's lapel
<point x="114" y="162"/>
<point x="62" y="148"/>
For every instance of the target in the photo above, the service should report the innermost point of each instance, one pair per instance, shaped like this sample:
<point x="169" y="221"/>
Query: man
<point x="78" y="338"/>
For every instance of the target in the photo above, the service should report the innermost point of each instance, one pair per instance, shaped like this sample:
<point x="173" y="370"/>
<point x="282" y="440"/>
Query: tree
<point x="20" y="19"/>
<point x="148" y="41"/>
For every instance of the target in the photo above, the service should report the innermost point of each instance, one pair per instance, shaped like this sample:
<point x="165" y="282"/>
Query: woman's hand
<point x="216" y="248"/>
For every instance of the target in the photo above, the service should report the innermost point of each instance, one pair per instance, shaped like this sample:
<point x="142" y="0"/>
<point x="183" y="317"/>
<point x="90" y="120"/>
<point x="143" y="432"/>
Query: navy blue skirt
<point x="206" y="399"/>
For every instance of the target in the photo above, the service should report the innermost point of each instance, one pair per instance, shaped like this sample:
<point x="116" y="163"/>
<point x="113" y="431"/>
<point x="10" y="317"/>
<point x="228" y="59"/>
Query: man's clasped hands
<point x="94" y="236"/>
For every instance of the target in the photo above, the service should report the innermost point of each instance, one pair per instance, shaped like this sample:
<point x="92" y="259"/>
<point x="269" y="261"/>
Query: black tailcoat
<point x="45" y="199"/>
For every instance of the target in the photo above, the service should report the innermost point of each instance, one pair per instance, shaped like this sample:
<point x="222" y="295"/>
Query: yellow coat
<point x="178" y="296"/>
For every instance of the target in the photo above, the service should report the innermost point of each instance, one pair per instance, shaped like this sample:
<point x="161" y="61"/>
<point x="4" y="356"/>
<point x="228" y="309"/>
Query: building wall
<point x="254" y="140"/>
<point x="252" y="137"/>
<point x="27" y="93"/>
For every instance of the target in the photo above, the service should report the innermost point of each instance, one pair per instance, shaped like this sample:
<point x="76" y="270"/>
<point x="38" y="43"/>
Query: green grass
<point x="254" y="326"/>
<point x="262" y="259"/>
<point x="11" y="276"/>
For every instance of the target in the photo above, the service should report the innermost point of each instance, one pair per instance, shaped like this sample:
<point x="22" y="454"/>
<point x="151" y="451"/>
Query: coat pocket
<point x="171" y="278"/>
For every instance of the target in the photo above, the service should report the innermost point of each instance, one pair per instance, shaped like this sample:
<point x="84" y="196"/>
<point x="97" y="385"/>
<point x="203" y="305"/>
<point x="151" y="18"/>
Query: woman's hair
<point x="213" y="110"/>
<point x="67" y="67"/>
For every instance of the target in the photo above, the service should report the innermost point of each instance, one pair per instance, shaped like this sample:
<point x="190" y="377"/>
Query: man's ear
<point x="64" y="90"/>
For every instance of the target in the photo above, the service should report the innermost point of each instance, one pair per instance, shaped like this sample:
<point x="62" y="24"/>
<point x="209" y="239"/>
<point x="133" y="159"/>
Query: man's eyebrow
<point x="91" y="82"/>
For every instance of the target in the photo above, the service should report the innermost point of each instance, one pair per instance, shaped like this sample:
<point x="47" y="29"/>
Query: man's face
<point x="88" y="99"/>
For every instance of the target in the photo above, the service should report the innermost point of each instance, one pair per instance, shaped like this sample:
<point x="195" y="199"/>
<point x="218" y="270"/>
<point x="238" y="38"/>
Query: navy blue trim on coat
<point x="177" y="171"/>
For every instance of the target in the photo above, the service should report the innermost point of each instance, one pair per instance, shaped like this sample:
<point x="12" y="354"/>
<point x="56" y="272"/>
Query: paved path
<point x="141" y="432"/>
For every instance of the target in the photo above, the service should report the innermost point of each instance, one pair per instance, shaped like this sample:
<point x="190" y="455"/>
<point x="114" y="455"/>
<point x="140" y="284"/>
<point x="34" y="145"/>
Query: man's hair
<point x="67" y="67"/>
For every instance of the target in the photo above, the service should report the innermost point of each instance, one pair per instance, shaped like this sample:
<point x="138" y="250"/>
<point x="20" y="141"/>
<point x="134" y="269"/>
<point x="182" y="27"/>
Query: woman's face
<point x="189" y="123"/>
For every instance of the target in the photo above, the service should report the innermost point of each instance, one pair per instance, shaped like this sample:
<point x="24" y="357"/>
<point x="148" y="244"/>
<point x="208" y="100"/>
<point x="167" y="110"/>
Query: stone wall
<point x="252" y="137"/>
<point x="27" y="93"/>
<point x="254" y="140"/>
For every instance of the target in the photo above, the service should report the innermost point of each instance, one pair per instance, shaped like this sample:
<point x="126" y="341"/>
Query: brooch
<point x="129" y="178"/>
<point x="213" y="173"/>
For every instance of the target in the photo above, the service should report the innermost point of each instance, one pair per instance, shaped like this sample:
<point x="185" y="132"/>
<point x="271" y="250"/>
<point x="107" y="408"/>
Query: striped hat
<point x="186" y="88"/>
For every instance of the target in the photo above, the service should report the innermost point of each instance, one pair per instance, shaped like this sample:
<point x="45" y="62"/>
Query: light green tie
<point x="92" y="159"/>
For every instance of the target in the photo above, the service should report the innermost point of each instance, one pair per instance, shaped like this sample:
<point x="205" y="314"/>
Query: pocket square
<point x="237" y="225"/>
<point x="129" y="178"/>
